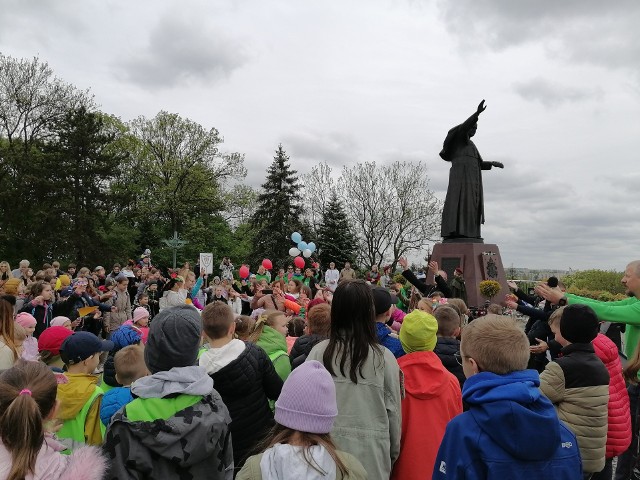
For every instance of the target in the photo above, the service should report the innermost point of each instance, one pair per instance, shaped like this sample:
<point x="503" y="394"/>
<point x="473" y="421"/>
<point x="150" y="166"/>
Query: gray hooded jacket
<point x="165" y="443"/>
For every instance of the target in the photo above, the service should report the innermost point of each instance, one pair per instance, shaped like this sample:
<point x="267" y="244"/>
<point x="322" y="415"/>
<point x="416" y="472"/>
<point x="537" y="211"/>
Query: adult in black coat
<point x="439" y="276"/>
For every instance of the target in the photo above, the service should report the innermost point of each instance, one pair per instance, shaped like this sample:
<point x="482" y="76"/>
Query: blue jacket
<point x="385" y="339"/>
<point x="510" y="431"/>
<point x="112" y="401"/>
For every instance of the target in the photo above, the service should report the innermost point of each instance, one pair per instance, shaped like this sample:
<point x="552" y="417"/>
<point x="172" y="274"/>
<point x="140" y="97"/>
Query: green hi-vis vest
<point x="202" y="349"/>
<point x="273" y="356"/>
<point x="72" y="432"/>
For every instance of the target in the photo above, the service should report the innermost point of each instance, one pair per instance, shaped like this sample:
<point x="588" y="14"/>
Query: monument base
<point x="479" y="261"/>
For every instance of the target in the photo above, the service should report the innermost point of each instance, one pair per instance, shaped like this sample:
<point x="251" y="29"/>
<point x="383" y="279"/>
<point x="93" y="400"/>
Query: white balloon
<point x="294" y="252"/>
<point x="306" y="253"/>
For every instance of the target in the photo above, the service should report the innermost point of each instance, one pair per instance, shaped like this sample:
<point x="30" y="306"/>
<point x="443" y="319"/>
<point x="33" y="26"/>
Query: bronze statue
<point x="463" y="211"/>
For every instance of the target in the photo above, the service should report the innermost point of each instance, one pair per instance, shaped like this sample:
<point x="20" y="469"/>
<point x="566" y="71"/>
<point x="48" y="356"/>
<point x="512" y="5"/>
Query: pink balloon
<point x="298" y="262"/>
<point x="266" y="263"/>
<point x="243" y="271"/>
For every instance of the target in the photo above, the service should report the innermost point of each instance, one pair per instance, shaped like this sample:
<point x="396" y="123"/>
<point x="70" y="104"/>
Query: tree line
<point x="78" y="184"/>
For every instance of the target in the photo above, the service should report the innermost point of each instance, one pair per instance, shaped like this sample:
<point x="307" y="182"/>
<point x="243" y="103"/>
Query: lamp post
<point x="175" y="243"/>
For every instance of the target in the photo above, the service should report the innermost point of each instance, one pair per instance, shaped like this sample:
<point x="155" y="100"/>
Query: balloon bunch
<point x="304" y="248"/>
<point x="244" y="270"/>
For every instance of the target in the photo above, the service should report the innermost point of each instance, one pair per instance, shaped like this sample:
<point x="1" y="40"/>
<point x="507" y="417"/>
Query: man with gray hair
<point x="22" y="271"/>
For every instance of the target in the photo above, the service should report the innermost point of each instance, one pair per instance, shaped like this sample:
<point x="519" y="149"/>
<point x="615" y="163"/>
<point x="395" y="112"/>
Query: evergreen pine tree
<point x="278" y="213"/>
<point x="337" y="242"/>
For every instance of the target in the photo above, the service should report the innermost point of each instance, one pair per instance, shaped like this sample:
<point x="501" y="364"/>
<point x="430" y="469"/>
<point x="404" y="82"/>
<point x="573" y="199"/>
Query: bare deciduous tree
<point x="391" y="207"/>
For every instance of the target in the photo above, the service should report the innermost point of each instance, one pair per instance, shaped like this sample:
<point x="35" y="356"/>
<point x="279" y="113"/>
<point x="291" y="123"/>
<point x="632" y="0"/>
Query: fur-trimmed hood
<point x="85" y="463"/>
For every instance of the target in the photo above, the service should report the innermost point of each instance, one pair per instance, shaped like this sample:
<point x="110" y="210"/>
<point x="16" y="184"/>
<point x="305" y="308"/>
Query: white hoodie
<point x="216" y="359"/>
<point x="286" y="462"/>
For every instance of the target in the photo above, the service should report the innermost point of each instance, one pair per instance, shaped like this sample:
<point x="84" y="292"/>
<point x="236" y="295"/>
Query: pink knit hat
<point x="59" y="321"/>
<point x="140" y="313"/>
<point x="26" y="320"/>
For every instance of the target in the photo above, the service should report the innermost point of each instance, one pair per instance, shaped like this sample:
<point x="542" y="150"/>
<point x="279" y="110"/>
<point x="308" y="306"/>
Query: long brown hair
<point x="7" y="328"/>
<point x="27" y="395"/>
<point x="281" y="434"/>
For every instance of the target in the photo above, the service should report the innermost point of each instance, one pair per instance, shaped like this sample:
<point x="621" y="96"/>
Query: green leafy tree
<point x="595" y="280"/>
<point x="336" y="240"/>
<point x="177" y="162"/>
<point x="33" y="102"/>
<point x="81" y="166"/>
<point x="278" y="212"/>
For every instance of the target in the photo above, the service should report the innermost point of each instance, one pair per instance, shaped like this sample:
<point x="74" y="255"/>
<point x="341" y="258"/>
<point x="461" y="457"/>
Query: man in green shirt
<point x="624" y="311"/>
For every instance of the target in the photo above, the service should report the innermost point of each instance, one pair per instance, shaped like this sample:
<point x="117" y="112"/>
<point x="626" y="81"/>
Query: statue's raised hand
<point x="481" y="107"/>
<point x="497" y="164"/>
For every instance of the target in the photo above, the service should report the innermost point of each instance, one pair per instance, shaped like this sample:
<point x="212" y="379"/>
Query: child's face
<point x="143" y="322"/>
<point x="555" y="328"/>
<point x="92" y="362"/>
<point x="280" y="324"/>
<point x="30" y="330"/>
<point x="298" y="271"/>
<point x="143" y="300"/>
<point x="153" y="287"/>
<point x="218" y="291"/>
<point x="66" y="325"/>
<point x="469" y="365"/>
<point x="47" y="292"/>
<point x="122" y="286"/>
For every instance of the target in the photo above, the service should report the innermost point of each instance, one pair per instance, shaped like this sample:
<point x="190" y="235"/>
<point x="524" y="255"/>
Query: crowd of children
<point x="139" y="375"/>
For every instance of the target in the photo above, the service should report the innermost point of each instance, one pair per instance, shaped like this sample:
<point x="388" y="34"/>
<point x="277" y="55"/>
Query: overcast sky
<point x="350" y="81"/>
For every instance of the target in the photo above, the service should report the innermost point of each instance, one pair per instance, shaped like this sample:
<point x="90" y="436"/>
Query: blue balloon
<point x="302" y="246"/>
<point x="296" y="237"/>
<point x="311" y="246"/>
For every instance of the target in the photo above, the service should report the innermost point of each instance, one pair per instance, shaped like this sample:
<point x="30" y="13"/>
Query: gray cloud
<point x="335" y="148"/>
<point x="582" y="31"/>
<point x="182" y="49"/>
<point x="552" y="94"/>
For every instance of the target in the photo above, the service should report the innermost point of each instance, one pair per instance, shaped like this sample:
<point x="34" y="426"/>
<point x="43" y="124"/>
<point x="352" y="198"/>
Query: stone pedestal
<point x="479" y="261"/>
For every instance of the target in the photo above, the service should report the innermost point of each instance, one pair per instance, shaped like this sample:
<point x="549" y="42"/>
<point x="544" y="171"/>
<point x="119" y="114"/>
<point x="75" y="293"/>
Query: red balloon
<point x="243" y="271"/>
<point x="266" y="263"/>
<point x="299" y="262"/>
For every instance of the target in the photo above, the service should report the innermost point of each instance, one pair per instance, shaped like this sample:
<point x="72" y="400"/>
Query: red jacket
<point x="432" y="399"/>
<point x="619" y="429"/>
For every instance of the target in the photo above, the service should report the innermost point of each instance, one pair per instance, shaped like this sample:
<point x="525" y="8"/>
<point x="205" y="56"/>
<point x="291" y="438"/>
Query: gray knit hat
<point x="307" y="402"/>
<point x="174" y="339"/>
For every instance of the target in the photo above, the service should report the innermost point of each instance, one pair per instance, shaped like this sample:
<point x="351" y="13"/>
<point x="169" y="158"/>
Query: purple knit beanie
<point x="308" y="399"/>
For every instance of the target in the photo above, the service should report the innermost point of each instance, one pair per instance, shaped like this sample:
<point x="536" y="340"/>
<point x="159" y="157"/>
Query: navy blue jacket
<point x="510" y="431"/>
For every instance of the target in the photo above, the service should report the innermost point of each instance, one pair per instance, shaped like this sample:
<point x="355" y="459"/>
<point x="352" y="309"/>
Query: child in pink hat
<point x="141" y="322"/>
<point x="30" y="345"/>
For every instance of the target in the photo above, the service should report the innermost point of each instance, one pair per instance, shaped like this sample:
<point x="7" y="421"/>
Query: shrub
<point x="489" y="288"/>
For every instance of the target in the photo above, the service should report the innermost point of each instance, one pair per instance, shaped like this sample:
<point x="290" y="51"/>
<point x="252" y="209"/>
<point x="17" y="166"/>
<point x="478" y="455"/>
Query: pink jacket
<point x="144" y="331"/>
<point x="619" y="429"/>
<point x="85" y="463"/>
<point x="30" y="349"/>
